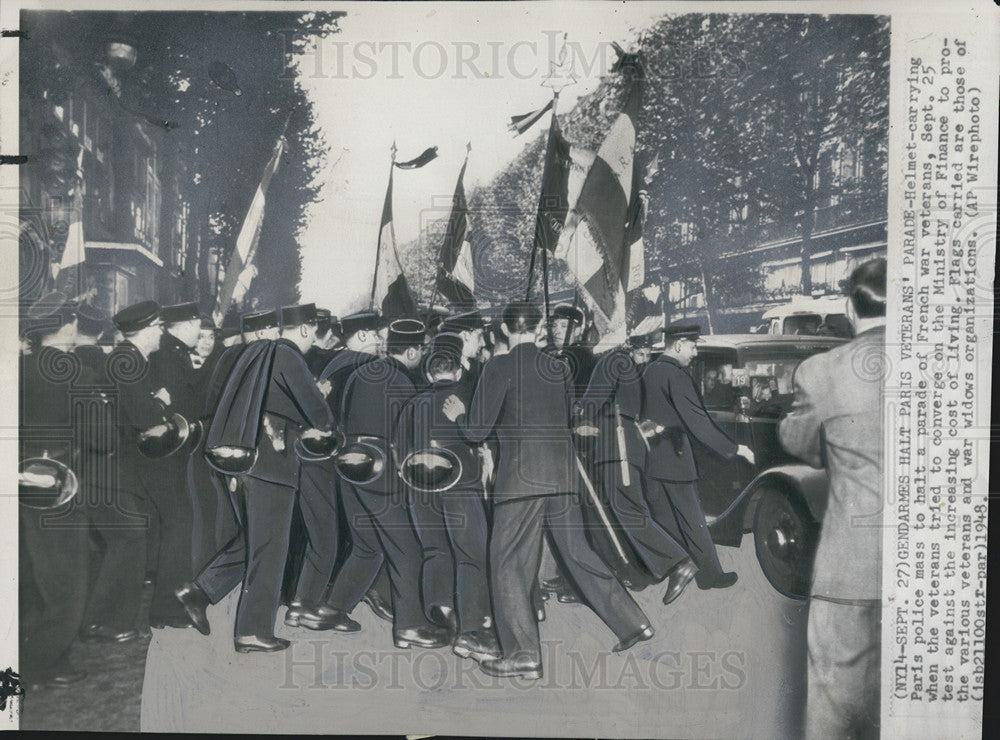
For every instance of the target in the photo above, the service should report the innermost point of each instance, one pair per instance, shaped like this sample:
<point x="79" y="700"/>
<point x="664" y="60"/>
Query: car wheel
<point x="785" y="537"/>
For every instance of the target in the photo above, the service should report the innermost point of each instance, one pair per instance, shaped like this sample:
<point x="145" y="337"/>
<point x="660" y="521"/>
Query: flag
<point x="239" y="272"/>
<point x="553" y="202"/>
<point x="389" y="288"/>
<point x="428" y="155"/>
<point x="594" y="242"/>
<point x="636" y="220"/>
<point x="456" y="278"/>
<point x="520" y="124"/>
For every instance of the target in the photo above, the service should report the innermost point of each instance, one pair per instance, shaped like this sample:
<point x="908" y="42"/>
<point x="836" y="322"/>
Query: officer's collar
<point x="289" y="342"/>
<point x="671" y="360"/>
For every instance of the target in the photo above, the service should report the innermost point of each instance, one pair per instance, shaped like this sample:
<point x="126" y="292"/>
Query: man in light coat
<point x="836" y="423"/>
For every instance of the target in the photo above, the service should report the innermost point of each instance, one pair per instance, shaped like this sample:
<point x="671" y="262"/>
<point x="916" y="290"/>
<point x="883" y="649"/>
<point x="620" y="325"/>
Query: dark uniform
<point x="364" y="560"/>
<point x="525" y="396"/>
<point x="52" y="583"/>
<point x="171" y="501"/>
<point x="615" y="396"/>
<point x="214" y="522"/>
<point x="372" y="399"/>
<point x="291" y="402"/>
<point x="451" y="525"/>
<point x="672" y="401"/>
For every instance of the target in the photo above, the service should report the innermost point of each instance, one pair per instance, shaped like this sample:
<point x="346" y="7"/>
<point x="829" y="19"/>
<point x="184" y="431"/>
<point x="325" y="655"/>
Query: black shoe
<point x="567" y="597"/>
<point x="64" y="677"/>
<point x="719" y="580"/>
<point x="425" y="637"/>
<point x="195" y="603"/>
<point x="378" y="605"/>
<point x="478" y="645"/>
<point x="680" y="576"/>
<point x="511" y="667"/>
<point x="100" y="633"/>
<point x="259" y="644"/>
<point x="644" y="633"/>
<point x="294" y="614"/>
<point x="324" y="617"/>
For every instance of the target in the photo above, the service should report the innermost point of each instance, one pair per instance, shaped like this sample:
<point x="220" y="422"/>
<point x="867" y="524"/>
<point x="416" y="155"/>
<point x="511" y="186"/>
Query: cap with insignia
<point x="364" y="321"/>
<point x="137" y="316"/>
<point x="323" y="320"/>
<point x="259" y="321"/>
<point x="569" y="311"/>
<point x="180" y="312"/>
<point x="468" y="321"/>
<point x="298" y="315"/>
<point x="681" y="331"/>
<point x="405" y="333"/>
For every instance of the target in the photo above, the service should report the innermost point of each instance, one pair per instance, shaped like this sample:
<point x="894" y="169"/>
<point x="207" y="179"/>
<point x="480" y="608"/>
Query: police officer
<point x="120" y="516"/>
<point x="612" y="403"/>
<point x="372" y="400"/>
<point x="53" y="533"/>
<point x="289" y="404"/>
<point x="672" y="411"/>
<point x="173" y="513"/>
<point x="225" y="570"/>
<point x="363" y="568"/>
<point x="525" y="396"/>
<point x="450" y="524"/>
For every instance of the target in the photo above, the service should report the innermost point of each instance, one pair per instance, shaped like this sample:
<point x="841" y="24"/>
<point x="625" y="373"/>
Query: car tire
<point x="785" y="537"/>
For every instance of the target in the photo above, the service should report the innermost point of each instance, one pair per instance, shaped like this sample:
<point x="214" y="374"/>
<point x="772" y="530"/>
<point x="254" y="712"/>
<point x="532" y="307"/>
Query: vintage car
<point x="746" y="383"/>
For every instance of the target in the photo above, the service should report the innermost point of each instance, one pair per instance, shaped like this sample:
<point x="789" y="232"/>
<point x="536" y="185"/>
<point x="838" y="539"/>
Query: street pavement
<point x="723" y="663"/>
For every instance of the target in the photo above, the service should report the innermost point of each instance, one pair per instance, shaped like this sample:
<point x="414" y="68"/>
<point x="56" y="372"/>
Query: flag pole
<point x="378" y="241"/>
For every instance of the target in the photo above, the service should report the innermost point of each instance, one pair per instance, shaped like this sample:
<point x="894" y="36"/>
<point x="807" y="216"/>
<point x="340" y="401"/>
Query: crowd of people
<point x="452" y="471"/>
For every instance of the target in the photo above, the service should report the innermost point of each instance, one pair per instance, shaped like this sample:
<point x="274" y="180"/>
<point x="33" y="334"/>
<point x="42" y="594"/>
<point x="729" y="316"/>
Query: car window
<point x="713" y="375"/>
<point x="806" y="323"/>
<point x="836" y="325"/>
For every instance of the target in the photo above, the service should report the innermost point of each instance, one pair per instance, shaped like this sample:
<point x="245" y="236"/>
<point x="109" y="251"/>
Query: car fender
<point x="811" y="484"/>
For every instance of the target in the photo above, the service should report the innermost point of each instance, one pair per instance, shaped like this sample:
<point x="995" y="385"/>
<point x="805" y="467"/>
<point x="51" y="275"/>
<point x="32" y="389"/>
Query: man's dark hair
<point x="521" y="317"/>
<point x="866" y="288"/>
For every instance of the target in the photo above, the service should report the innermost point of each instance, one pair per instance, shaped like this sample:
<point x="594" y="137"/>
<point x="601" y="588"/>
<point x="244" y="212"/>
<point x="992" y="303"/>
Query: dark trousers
<point x="402" y="553"/>
<point x="268" y="522"/>
<point x="364" y="561"/>
<point x="677" y="508"/>
<point x="515" y="556"/>
<point x="318" y="506"/>
<point x="213" y="524"/>
<point x="437" y="571"/>
<point x="655" y="547"/>
<point x="52" y="586"/>
<point x="118" y="518"/>
<point x="224" y="572"/>
<point x="171" y="508"/>
<point x="465" y="517"/>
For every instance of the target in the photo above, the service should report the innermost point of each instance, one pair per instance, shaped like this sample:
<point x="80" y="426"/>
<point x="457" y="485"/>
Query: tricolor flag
<point x="456" y="278"/>
<point x="74" y="253"/>
<point x="593" y="241"/>
<point x="240" y="271"/>
<point x="553" y="202"/>
<point x="636" y="220"/>
<point x="389" y="288"/>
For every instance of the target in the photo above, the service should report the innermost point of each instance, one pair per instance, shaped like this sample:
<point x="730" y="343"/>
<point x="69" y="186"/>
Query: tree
<point x="224" y="139"/>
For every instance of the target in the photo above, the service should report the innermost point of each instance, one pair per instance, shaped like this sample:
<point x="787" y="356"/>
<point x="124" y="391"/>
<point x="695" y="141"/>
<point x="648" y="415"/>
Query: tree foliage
<point x="740" y="110"/>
